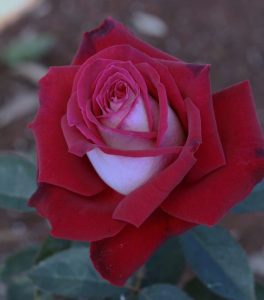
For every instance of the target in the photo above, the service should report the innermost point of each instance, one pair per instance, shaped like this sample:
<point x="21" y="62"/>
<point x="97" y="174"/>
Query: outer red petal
<point x="193" y="81"/>
<point x="76" y="217"/>
<point x="207" y="200"/>
<point x="111" y="33"/>
<point x="55" y="164"/>
<point x="118" y="257"/>
<point x="137" y="206"/>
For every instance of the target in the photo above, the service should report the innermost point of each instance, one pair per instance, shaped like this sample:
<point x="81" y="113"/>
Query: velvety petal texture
<point x="135" y="211"/>
<point x="111" y="33"/>
<point x="243" y="144"/>
<point x="133" y="147"/>
<point x="55" y="164"/>
<point x="118" y="257"/>
<point x="91" y="215"/>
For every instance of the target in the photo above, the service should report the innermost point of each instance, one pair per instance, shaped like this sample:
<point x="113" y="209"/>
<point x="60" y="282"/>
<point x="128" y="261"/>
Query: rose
<point x="133" y="148"/>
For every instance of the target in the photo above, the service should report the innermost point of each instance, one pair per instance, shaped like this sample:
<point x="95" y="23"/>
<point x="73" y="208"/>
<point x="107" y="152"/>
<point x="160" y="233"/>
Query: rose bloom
<point x="133" y="148"/>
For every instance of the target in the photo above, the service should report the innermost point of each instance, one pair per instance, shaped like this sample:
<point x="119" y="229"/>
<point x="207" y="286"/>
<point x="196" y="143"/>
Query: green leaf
<point x="18" y="263"/>
<point x="26" y="49"/>
<point x="253" y="203"/>
<point x="219" y="262"/>
<point x="259" y="291"/>
<point x="21" y="289"/>
<point x="198" y="291"/>
<point x="50" y="246"/>
<point x="41" y="295"/>
<point x="76" y="244"/>
<point x="162" y="291"/>
<point x="14" y="203"/>
<point x="166" y="265"/>
<point x="17" y="182"/>
<point x="70" y="273"/>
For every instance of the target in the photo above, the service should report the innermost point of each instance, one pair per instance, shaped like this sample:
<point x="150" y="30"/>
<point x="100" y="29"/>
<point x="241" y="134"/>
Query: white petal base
<point x="125" y="174"/>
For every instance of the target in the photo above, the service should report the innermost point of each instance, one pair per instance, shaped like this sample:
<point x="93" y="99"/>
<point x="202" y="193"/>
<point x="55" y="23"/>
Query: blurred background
<point x="35" y="34"/>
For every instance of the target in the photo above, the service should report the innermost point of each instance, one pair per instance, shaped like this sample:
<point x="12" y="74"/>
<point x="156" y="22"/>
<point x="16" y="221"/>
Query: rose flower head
<point x="133" y="148"/>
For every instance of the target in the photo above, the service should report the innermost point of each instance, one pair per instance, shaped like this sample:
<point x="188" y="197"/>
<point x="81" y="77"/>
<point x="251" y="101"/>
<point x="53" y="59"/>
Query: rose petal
<point x="89" y="130"/>
<point x="79" y="142"/>
<point x="170" y="131"/>
<point x="118" y="257"/>
<point x="76" y="217"/>
<point x="136" y="119"/>
<point x="103" y="84"/>
<point x="193" y="81"/>
<point x="83" y="90"/>
<point x="111" y="73"/>
<point x="125" y="174"/>
<point x="75" y="119"/>
<point x="143" y="153"/>
<point x="111" y="33"/>
<point x="137" y="206"/>
<point x="86" y="78"/>
<point x="160" y="95"/>
<point x="52" y="152"/>
<point x="206" y="201"/>
<point x="129" y="54"/>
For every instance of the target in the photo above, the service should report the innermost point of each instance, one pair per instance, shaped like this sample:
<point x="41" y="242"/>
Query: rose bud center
<point x="123" y="113"/>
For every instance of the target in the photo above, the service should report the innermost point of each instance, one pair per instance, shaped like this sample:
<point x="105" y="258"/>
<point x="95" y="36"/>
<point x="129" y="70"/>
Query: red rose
<point x="133" y="148"/>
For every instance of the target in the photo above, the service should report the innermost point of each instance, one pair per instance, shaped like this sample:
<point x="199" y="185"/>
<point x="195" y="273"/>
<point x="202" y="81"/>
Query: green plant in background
<point x="61" y="268"/>
<point x="29" y="48"/>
